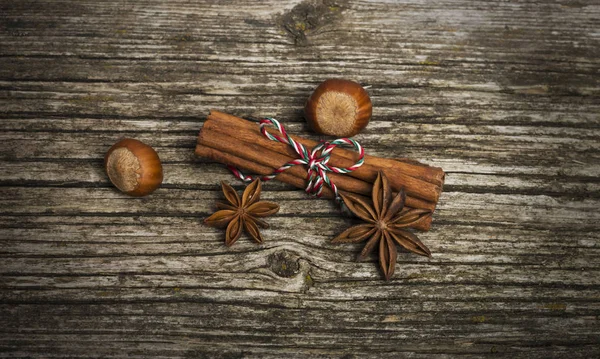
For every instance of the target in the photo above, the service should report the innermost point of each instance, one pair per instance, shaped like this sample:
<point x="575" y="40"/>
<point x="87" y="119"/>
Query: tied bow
<point x="316" y="159"/>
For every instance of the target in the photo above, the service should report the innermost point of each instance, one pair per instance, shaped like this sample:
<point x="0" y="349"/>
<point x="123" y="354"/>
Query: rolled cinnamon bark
<point x="415" y="169"/>
<point x="248" y="132"/>
<point x="258" y="154"/>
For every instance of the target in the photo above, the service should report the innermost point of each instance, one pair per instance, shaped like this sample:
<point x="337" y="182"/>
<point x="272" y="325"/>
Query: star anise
<point x="242" y="213"/>
<point x="386" y="218"/>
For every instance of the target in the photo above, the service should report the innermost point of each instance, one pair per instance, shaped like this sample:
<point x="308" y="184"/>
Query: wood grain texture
<point x="504" y="96"/>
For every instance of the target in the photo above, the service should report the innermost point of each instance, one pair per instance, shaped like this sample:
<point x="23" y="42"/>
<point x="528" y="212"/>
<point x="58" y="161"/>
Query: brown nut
<point x="338" y="107"/>
<point x="133" y="167"/>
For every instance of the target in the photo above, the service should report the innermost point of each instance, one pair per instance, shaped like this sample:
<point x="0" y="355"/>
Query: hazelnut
<point x="133" y="167"/>
<point x="338" y="107"/>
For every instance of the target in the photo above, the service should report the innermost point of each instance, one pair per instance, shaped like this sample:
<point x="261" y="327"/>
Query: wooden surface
<point x="505" y="96"/>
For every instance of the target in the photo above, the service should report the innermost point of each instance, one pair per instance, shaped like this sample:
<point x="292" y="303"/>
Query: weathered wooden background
<point x="504" y="95"/>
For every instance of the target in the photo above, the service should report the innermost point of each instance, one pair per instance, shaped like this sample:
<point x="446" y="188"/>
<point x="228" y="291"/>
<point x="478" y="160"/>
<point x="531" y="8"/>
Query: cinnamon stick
<point x="286" y="177"/>
<point x="239" y="130"/>
<point x="434" y="175"/>
<point x="258" y="154"/>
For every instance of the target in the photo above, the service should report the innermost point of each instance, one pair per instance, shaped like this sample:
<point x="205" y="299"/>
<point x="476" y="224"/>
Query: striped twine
<point x="316" y="160"/>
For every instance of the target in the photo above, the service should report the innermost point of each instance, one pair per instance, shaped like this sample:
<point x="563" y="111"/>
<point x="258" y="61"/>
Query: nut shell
<point x="338" y="107"/>
<point x="133" y="167"/>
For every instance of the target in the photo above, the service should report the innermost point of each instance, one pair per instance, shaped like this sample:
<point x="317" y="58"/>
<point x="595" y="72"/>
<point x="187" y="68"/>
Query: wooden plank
<point x="541" y="211"/>
<point x="491" y="148"/>
<point x="90" y="173"/>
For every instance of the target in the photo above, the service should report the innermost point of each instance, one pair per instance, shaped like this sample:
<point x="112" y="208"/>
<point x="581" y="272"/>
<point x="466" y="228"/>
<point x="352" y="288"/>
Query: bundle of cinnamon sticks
<point x="234" y="141"/>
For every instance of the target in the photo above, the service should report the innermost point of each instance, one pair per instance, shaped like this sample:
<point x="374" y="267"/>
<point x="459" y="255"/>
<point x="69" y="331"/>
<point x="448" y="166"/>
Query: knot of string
<point x="316" y="159"/>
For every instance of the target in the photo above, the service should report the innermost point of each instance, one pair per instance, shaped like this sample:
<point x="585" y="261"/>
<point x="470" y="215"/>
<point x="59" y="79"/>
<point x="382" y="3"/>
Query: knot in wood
<point x="284" y="264"/>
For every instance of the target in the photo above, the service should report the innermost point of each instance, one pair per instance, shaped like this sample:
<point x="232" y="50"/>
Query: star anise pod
<point x="385" y="220"/>
<point x="242" y="213"/>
